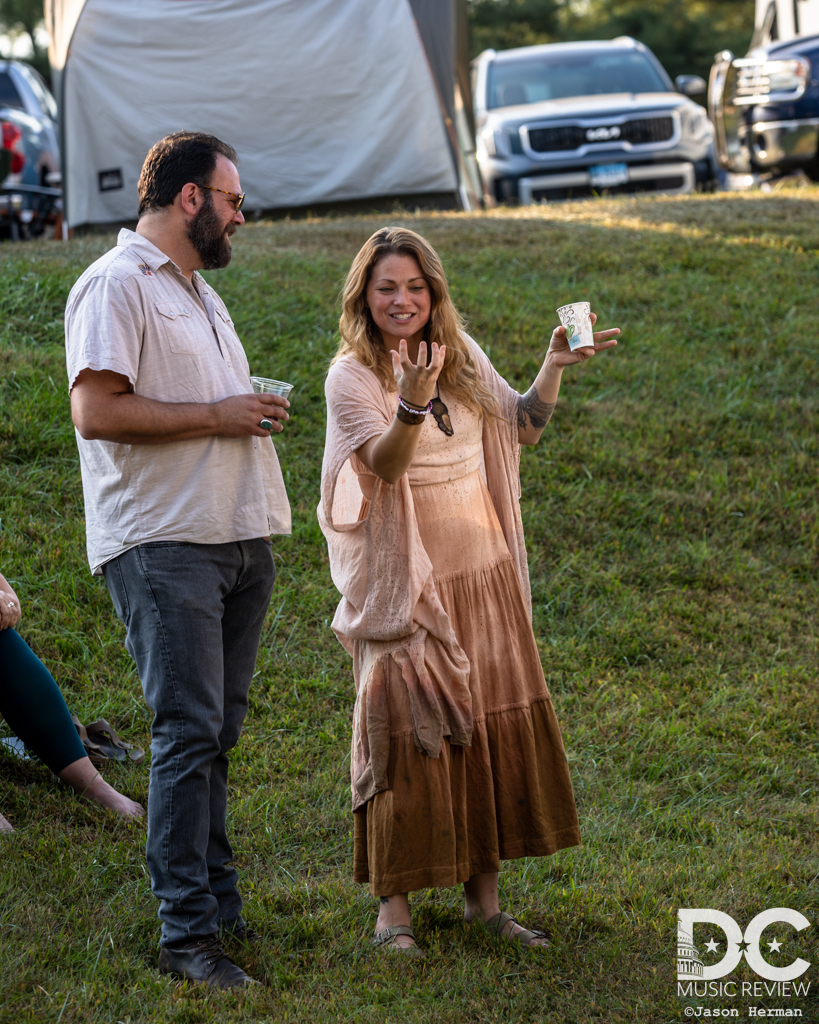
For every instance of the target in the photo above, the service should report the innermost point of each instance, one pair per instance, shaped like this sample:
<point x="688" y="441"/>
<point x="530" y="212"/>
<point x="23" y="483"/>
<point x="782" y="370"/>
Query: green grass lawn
<point x="672" y="528"/>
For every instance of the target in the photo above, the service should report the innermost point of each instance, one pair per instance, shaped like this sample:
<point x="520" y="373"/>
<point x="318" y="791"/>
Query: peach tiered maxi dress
<point x="457" y="758"/>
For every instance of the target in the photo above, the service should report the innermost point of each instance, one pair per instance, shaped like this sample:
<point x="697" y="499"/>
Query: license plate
<point x="608" y="175"/>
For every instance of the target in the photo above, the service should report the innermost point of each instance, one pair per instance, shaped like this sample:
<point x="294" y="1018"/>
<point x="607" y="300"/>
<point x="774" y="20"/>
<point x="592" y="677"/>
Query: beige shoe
<point x="386" y="940"/>
<point x="496" y="926"/>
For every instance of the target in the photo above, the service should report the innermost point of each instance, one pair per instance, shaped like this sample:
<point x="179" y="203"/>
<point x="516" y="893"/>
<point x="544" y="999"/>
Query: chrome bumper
<point x="773" y="142"/>
<point x="580" y="179"/>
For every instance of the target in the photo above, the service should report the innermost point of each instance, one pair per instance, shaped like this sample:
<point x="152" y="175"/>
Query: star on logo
<point x="743" y="945"/>
<point x="711" y="946"/>
<point x="775" y="946"/>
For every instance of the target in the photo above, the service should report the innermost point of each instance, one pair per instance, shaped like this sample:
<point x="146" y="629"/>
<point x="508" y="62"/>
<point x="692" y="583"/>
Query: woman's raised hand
<point x="416" y="383"/>
<point x="563" y="356"/>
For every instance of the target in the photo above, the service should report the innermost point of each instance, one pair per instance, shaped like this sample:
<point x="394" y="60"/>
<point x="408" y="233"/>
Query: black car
<point x="765" y="108"/>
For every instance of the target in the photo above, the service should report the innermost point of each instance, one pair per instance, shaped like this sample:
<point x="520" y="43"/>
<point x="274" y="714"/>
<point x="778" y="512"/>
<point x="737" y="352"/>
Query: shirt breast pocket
<point x="180" y="327"/>
<point x="229" y="339"/>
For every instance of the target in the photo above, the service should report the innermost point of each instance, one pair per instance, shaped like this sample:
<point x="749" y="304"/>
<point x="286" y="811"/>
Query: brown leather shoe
<point x="203" y="960"/>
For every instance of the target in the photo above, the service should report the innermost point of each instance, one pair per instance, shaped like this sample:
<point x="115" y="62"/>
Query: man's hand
<point x="105" y="408"/>
<point x="240" y="415"/>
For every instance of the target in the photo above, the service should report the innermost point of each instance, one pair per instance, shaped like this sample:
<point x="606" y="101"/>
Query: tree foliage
<point x="684" y="34"/>
<point x="21" y="17"/>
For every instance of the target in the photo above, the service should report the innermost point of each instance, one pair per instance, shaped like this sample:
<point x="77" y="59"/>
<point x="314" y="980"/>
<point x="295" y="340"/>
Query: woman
<point x="33" y="707"/>
<point x="457" y="759"/>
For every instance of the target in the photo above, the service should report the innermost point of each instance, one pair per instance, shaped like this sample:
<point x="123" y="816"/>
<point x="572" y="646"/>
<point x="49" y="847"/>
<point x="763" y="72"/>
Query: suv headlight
<point x="496" y="143"/>
<point x="694" y="121"/>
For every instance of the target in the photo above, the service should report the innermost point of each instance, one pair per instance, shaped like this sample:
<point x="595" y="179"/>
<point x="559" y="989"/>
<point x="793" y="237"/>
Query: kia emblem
<point x="603" y="134"/>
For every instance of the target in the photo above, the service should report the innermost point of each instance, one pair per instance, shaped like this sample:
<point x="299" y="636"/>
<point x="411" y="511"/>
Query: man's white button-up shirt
<point x="135" y="313"/>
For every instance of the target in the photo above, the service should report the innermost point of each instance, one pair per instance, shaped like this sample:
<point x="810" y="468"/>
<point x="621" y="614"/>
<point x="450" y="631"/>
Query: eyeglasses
<point x="235" y="195"/>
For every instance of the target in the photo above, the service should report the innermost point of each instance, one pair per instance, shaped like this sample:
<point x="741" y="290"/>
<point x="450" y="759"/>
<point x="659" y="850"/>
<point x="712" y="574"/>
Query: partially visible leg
<point x="481" y="896"/>
<point x="481" y="901"/>
<point x="31" y="703"/>
<point x="245" y="609"/>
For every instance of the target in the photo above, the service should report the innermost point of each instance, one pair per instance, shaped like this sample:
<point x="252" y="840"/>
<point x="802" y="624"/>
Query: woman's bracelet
<point x="419" y="411"/>
<point x="412" y="419"/>
<point x="411" y="414"/>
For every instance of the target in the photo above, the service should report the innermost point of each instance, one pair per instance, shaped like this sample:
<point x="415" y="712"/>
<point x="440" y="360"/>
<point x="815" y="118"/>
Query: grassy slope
<point x="672" y="526"/>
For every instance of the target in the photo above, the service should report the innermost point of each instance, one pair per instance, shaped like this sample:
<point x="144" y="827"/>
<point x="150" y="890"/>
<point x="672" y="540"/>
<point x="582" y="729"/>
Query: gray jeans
<point x="194" y="615"/>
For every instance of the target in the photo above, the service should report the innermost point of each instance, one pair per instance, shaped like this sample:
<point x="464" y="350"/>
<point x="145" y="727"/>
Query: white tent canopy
<point x="325" y="101"/>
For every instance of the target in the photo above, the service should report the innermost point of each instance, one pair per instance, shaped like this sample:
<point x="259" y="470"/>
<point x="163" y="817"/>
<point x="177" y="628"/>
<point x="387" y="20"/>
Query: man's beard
<point x="209" y="237"/>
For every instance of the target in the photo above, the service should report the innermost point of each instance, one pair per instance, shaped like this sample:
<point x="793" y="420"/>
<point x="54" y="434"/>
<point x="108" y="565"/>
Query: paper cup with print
<point x="266" y="386"/>
<point x="576" y="318"/>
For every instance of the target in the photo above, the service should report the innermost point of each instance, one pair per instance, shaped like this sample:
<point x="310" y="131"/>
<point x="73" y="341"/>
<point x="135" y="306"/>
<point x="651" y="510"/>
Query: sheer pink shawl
<point x="389" y="609"/>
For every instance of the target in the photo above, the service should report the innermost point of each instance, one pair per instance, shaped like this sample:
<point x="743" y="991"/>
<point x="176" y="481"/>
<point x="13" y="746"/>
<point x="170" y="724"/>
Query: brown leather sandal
<point x="386" y="940"/>
<point x="95" y="753"/>
<point x="496" y="925"/>
<point x="111" y="745"/>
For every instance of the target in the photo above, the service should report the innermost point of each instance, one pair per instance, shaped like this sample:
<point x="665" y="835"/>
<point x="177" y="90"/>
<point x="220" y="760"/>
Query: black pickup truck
<point x="765" y="108"/>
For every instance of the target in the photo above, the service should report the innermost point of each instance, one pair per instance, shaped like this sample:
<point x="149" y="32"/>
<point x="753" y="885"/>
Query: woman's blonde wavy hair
<point x="361" y="338"/>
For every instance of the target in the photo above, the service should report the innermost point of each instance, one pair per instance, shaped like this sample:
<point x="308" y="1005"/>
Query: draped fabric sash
<point x="389" y="613"/>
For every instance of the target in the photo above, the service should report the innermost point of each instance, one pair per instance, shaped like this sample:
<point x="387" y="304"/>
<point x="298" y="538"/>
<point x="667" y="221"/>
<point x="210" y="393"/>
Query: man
<point x="182" y="492"/>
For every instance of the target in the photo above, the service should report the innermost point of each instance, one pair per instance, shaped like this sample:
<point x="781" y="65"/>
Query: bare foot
<point x="86" y="781"/>
<point x="5" y="825"/>
<point x="106" y="796"/>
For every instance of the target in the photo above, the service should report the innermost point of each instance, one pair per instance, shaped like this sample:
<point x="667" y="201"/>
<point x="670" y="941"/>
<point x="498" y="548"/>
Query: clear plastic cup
<point x="265" y="386"/>
<point x="576" y="318"/>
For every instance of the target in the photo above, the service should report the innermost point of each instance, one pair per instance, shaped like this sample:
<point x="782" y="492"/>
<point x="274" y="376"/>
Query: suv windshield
<point x="559" y="76"/>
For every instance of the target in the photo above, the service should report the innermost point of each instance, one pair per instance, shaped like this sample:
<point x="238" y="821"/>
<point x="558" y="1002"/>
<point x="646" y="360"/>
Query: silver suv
<point x="567" y="120"/>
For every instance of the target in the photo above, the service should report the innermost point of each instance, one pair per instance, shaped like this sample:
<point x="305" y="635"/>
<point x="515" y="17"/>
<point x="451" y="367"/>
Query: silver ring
<point x="266" y="424"/>
<point x="10" y="604"/>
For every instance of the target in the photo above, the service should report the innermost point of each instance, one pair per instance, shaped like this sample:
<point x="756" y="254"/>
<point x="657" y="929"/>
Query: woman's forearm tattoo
<point x="532" y="411"/>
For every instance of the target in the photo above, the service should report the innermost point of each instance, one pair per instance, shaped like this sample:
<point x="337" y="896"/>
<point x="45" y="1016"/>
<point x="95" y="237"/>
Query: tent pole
<point x="461" y="173"/>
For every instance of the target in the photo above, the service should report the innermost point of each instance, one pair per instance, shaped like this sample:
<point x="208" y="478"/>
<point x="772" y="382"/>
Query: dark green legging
<point x="31" y="703"/>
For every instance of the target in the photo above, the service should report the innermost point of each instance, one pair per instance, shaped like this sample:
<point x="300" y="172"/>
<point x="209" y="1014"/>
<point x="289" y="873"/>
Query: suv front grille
<point x="549" y="140"/>
<point x="639" y="132"/>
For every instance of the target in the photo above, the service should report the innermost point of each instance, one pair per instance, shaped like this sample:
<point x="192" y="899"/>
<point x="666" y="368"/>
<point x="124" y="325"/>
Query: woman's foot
<point x="86" y="781"/>
<point x="394" y="911"/>
<point x="481" y="903"/>
<point x="508" y="928"/>
<point x="106" y="796"/>
<point x="5" y="825"/>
